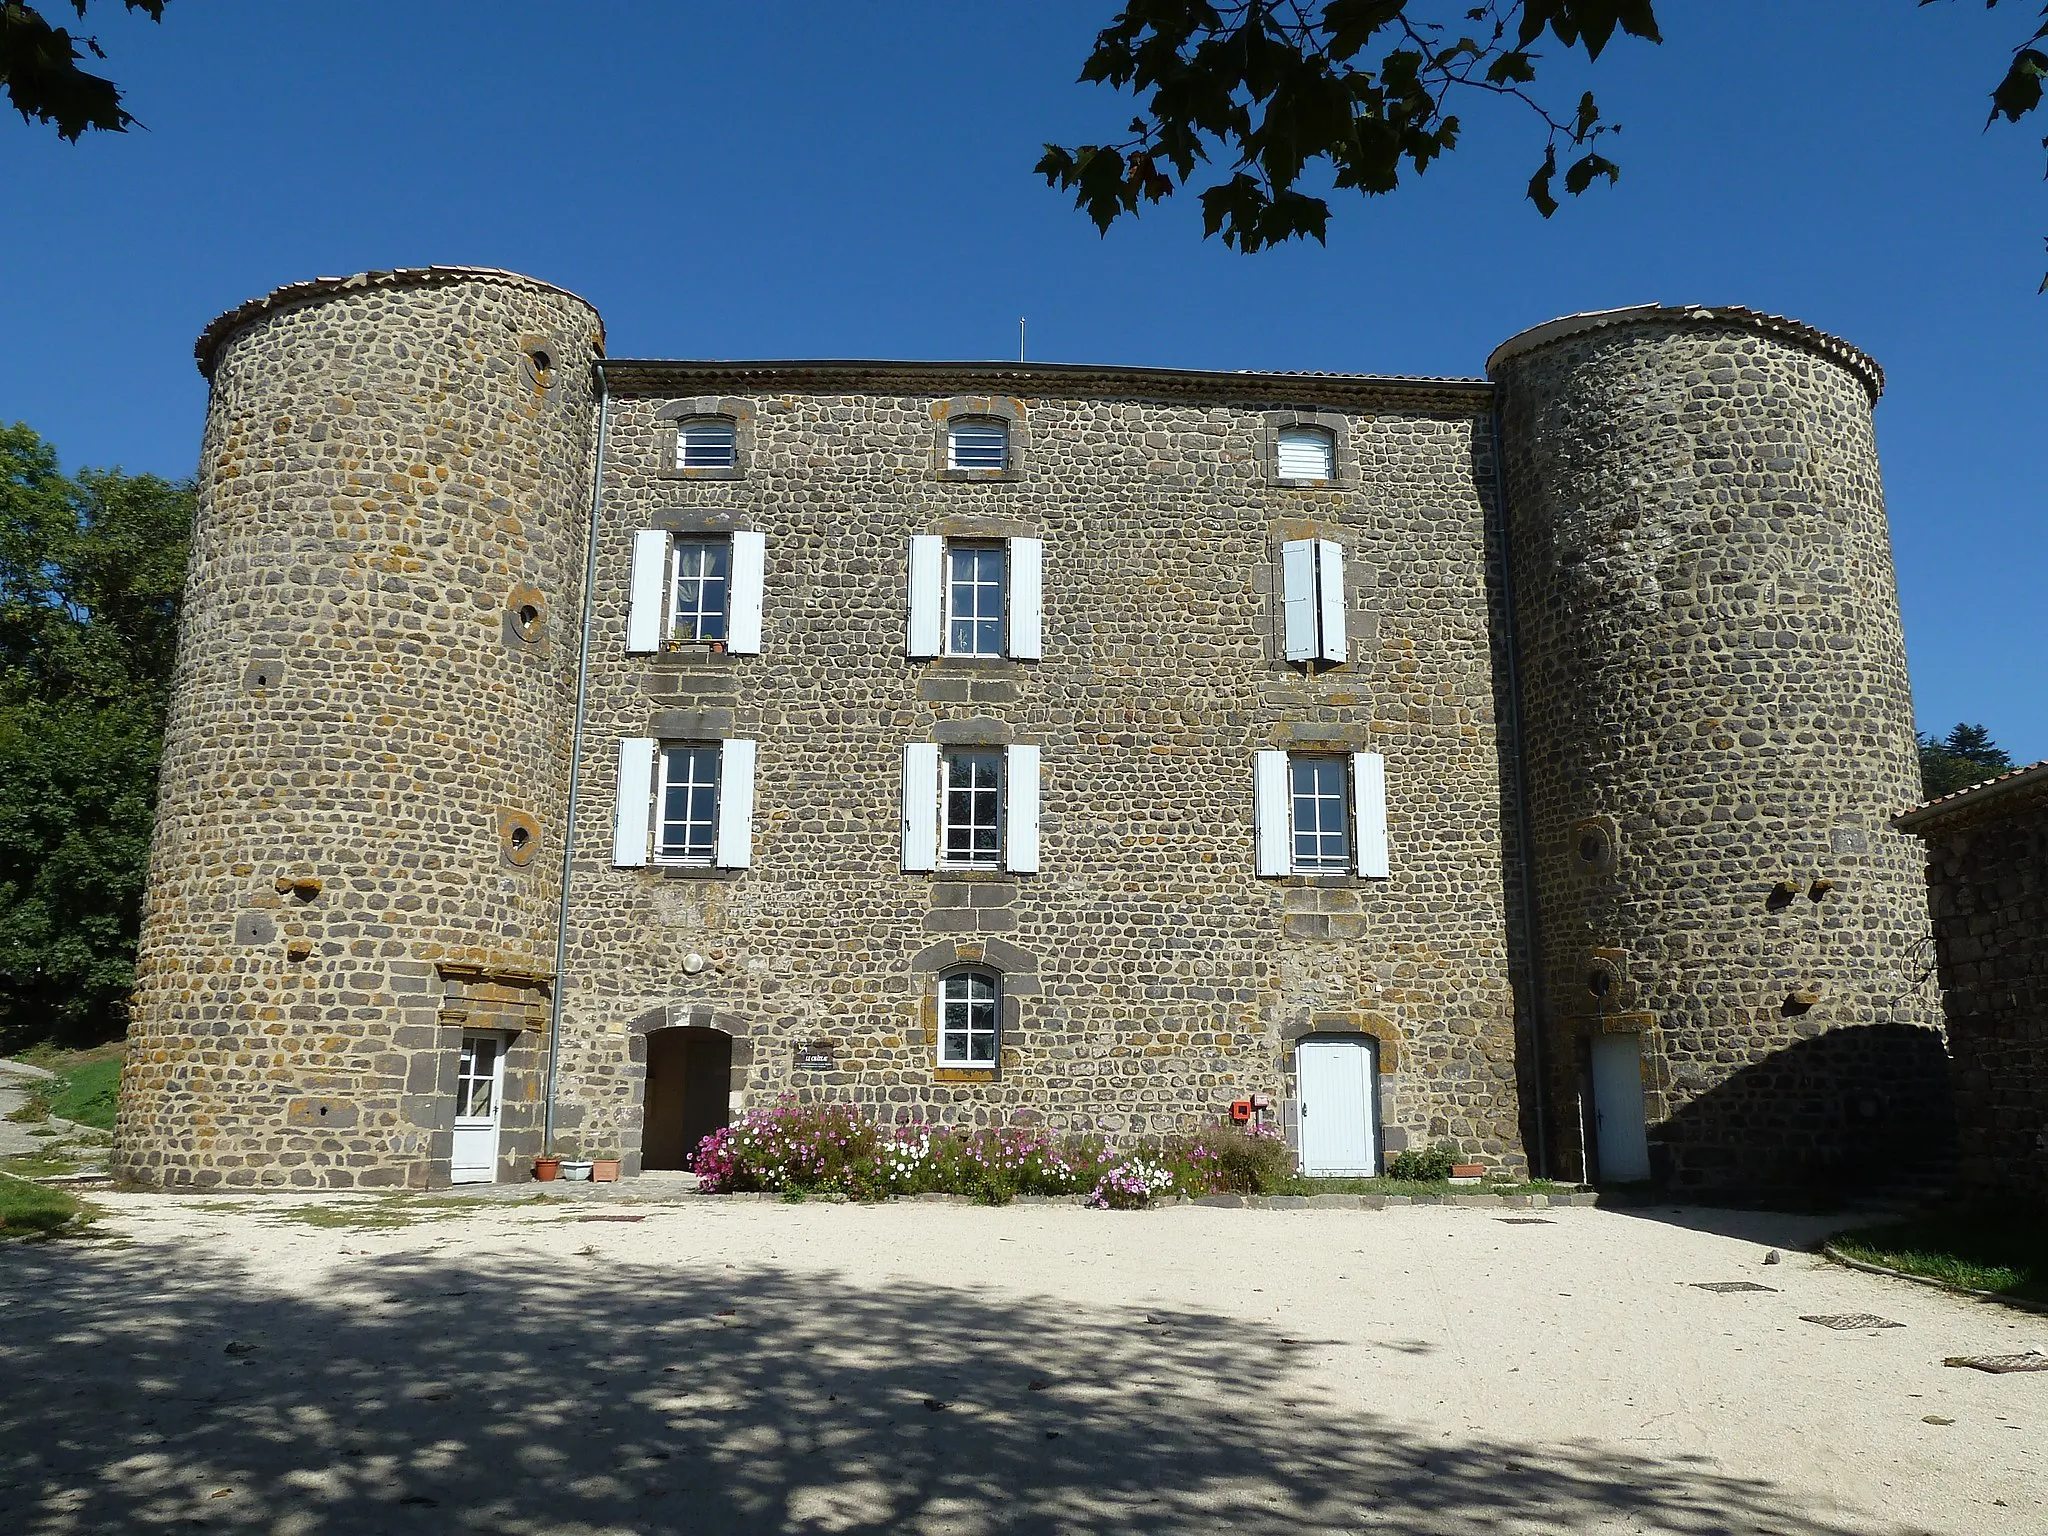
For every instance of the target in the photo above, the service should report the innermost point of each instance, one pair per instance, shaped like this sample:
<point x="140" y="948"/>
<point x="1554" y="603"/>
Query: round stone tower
<point x="356" y="864"/>
<point x="1717" y="726"/>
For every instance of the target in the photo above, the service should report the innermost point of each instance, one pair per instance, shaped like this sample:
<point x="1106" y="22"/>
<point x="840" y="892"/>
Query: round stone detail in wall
<point x="518" y="838"/>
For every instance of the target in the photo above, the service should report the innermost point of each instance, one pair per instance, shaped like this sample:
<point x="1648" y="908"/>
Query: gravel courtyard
<point x="714" y="1366"/>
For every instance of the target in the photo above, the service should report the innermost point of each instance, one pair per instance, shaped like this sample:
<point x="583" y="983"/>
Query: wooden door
<point x="1338" y="1108"/>
<point x="1621" y="1140"/>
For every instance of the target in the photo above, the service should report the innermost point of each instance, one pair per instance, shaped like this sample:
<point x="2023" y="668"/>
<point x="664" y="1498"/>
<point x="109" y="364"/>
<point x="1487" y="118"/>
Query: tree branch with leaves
<point x="1246" y="98"/>
<point x="39" y="67"/>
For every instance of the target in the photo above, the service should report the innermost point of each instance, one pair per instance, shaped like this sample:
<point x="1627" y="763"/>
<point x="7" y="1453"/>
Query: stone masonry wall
<point x="1988" y="873"/>
<point x="1719" y="727"/>
<point x="357" y="845"/>
<point x="1151" y="976"/>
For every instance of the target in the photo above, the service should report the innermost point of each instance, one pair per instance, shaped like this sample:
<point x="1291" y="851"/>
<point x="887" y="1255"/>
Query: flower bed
<point x="835" y="1149"/>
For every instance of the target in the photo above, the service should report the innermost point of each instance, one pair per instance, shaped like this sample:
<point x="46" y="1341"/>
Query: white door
<point x="479" y="1085"/>
<point x="1339" y="1107"/>
<point x="1623" y="1148"/>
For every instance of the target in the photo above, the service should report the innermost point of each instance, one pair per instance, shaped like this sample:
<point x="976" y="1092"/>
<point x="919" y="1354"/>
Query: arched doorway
<point x="689" y="1093"/>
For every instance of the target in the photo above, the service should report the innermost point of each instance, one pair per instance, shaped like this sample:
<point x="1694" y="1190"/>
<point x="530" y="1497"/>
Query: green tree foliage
<point x="1361" y="91"/>
<point x="1966" y="755"/>
<point x="39" y="66"/>
<point x="91" y="570"/>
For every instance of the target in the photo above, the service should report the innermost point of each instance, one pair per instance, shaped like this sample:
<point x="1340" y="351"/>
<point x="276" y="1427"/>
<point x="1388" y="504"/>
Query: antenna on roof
<point x="1020" y="338"/>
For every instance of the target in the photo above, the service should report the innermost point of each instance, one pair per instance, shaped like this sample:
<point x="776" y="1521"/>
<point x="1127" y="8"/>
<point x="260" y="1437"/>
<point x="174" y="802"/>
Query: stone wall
<point x="357" y="842"/>
<point x="1988" y="876"/>
<point x="1719" y="726"/>
<point x="1151" y="976"/>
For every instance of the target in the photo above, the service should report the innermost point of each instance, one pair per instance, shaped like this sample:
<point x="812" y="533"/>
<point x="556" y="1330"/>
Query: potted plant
<point x="547" y="1168"/>
<point x="575" y="1170"/>
<point x="605" y="1170"/>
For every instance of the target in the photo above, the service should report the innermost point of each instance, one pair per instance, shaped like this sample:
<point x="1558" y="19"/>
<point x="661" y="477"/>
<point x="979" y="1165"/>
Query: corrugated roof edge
<point x="225" y="325"/>
<point x="1465" y="396"/>
<point x="1966" y="802"/>
<point x="1855" y="359"/>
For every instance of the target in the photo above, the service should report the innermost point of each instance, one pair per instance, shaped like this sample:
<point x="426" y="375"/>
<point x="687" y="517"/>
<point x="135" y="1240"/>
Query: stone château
<point x="571" y="750"/>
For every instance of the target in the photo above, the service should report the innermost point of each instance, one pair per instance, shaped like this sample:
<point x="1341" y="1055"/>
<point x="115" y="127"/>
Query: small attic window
<point x="707" y="442"/>
<point x="1306" y="453"/>
<point x="982" y="444"/>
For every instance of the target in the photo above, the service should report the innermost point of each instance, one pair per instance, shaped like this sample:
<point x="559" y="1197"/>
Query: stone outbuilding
<point x="572" y="750"/>
<point x="1987" y="873"/>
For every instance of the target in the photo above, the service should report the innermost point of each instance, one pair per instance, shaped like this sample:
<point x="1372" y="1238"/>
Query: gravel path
<point x="16" y="1079"/>
<point x="716" y="1366"/>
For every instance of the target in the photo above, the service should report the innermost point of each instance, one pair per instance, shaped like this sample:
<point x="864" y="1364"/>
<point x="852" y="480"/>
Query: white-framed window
<point x="976" y="579"/>
<point x="687" y="805"/>
<point x="476" y="1078"/>
<point x="978" y="443"/>
<point x="980" y="598"/>
<point x="1312" y="600"/>
<point x="701" y="590"/>
<point x="707" y="442"/>
<point x="970" y="1018"/>
<point x="697" y="589"/>
<point x="970" y="807"/>
<point x="1305" y="453"/>
<point x="971" y="810"/>
<point x="1320" y="813"/>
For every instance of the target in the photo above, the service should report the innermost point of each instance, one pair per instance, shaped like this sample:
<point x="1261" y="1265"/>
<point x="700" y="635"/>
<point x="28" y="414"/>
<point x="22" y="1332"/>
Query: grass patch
<point x="1977" y="1248"/>
<point x="86" y="1088"/>
<point x="1301" y="1185"/>
<point x="33" y="1167"/>
<point x="36" y="1210"/>
<point x="385" y="1214"/>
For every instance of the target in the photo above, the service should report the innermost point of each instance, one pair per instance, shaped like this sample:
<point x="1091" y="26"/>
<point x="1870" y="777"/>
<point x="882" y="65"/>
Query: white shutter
<point x="1020" y="788"/>
<point x="749" y="563"/>
<point x="1298" y="597"/>
<point x="650" y="583"/>
<point x="1330" y="598"/>
<point x="1027" y="582"/>
<point x="735" y="831"/>
<point x="636" y="801"/>
<point x="921" y="805"/>
<point x="1305" y="453"/>
<point x="1269" y="774"/>
<point x="1369" y="811"/>
<point x="927" y="577"/>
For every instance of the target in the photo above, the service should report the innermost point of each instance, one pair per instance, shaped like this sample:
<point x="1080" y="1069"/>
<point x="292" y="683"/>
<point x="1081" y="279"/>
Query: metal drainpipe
<point x="1540" y="1162"/>
<point x="604" y="405"/>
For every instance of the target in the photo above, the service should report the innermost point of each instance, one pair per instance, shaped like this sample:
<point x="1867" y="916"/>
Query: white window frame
<point x="664" y="763"/>
<point x="1312" y="601"/>
<point x="955" y="549"/>
<point x="1342" y="799"/>
<point x="948" y="757"/>
<point x="679" y="546"/>
<point x="643" y="783"/>
<point x="652" y="602"/>
<point x="731" y="426"/>
<point x="967" y="975"/>
<point x="1298" y="433"/>
<point x="968" y="425"/>
<point x="1273" y="814"/>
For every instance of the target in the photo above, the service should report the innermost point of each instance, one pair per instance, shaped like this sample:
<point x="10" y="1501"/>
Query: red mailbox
<point x="1240" y="1110"/>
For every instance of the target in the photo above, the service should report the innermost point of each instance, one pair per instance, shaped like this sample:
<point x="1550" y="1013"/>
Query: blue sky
<point x="775" y="180"/>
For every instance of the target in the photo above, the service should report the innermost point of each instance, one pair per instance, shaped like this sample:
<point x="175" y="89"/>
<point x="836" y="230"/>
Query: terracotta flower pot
<point x="1468" y="1170"/>
<point x="604" y="1170"/>
<point x="547" y="1169"/>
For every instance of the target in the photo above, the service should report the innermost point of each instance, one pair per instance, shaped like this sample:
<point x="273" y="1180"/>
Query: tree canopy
<point x="40" y="67"/>
<point x="1252" y="97"/>
<point x="91" y="570"/>
<point x="1966" y="755"/>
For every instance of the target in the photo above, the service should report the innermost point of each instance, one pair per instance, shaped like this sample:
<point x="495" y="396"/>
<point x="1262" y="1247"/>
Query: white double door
<point x="1339" y="1107"/>
<point x="479" y="1092"/>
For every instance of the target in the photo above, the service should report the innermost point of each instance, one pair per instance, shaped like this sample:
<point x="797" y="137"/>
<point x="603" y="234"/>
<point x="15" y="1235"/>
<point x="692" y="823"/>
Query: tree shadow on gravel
<point x="588" y="1395"/>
